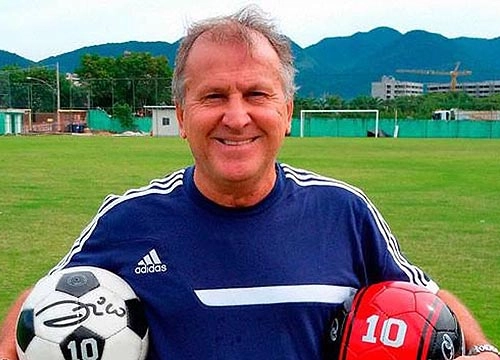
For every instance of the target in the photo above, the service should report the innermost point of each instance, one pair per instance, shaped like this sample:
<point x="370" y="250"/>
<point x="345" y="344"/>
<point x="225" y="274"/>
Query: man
<point x="258" y="254"/>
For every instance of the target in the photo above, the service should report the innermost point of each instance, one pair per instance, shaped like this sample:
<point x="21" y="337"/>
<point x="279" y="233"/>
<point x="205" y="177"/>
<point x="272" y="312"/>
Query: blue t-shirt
<point x="261" y="282"/>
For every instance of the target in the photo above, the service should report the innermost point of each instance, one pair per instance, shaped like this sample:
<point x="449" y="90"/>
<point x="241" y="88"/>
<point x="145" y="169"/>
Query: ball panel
<point x="136" y="317"/>
<point x="447" y="338"/>
<point x="41" y="291"/>
<point x="77" y="283"/>
<point x="57" y="315"/>
<point x="41" y="349"/>
<point x="104" y="307"/>
<point x="387" y="295"/>
<point x="25" y="330"/>
<point x="446" y="320"/>
<point x="428" y="303"/>
<point x="144" y="347"/>
<point x="126" y="345"/>
<point x="115" y="284"/>
<point x="82" y="344"/>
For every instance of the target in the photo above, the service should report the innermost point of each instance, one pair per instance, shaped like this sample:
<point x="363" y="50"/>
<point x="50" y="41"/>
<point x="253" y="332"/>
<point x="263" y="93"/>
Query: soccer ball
<point x="82" y="313"/>
<point x="397" y="320"/>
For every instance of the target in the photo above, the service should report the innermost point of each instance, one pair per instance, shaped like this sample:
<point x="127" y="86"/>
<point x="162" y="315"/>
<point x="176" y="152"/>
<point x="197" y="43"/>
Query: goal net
<point x="339" y="123"/>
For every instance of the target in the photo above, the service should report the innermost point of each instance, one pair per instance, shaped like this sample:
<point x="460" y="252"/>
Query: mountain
<point x="8" y="58"/>
<point x="68" y="62"/>
<point x="344" y="66"/>
<point x="347" y="66"/>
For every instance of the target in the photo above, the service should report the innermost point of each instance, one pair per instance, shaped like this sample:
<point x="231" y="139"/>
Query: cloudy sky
<point x="37" y="29"/>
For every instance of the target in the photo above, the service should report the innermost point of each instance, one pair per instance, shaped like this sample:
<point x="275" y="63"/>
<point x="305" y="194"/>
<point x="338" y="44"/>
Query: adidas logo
<point x="150" y="263"/>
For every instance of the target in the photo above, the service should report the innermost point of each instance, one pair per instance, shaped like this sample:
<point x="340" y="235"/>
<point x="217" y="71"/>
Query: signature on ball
<point x="72" y="312"/>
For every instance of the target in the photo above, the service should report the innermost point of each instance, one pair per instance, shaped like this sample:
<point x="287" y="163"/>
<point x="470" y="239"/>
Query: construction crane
<point x="453" y="74"/>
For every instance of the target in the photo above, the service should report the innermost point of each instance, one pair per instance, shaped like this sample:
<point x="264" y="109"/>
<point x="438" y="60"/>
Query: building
<point x="475" y="89"/>
<point x="12" y="121"/>
<point x="163" y="120"/>
<point x="390" y="88"/>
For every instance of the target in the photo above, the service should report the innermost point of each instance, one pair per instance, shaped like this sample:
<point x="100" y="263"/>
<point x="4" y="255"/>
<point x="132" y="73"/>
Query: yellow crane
<point x="453" y="74"/>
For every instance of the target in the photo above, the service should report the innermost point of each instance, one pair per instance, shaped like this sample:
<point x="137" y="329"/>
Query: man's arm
<point x="8" y="329"/>
<point x="470" y="327"/>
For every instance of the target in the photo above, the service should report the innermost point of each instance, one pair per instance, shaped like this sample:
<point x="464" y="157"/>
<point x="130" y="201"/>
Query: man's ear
<point x="289" y="109"/>
<point x="179" y="114"/>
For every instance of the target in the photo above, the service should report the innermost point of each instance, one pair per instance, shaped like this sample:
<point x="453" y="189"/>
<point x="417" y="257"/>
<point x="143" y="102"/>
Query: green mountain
<point x="8" y="58"/>
<point x="344" y="66"/>
<point x="348" y="65"/>
<point x="68" y="62"/>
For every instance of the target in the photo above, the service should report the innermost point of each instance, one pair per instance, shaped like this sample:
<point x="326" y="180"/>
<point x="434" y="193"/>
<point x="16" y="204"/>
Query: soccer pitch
<point x="441" y="198"/>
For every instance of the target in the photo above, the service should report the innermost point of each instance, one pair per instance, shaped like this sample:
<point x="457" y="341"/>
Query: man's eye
<point x="213" y="96"/>
<point x="257" y="94"/>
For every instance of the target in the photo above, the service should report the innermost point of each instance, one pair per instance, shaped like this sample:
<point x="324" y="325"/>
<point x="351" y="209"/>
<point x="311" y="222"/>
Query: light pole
<point x="56" y="90"/>
<point x="58" y="86"/>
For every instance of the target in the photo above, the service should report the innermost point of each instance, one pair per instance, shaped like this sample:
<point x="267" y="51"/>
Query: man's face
<point x="235" y="115"/>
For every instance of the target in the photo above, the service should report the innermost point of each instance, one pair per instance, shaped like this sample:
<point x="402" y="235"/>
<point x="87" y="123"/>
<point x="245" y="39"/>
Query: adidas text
<point x="150" y="269"/>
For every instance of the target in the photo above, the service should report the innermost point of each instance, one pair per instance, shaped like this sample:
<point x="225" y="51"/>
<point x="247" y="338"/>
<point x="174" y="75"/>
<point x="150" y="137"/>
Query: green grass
<point x="441" y="198"/>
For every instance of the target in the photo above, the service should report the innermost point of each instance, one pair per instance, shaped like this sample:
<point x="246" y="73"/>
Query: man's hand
<point x="481" y="356"/>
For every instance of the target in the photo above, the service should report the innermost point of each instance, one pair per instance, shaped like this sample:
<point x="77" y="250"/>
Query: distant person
<point x="254" y="256"/>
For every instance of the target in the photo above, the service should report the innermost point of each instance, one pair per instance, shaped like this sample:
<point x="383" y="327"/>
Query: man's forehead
<point x="230" y="33"/>
<point x="233" y="36"/>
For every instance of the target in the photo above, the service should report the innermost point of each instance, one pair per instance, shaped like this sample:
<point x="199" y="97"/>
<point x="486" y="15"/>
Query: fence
<point x="98" y="120"/>
<point x="350" y="127"/>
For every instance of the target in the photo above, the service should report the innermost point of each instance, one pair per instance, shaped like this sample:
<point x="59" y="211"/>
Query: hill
<point x="8" y="58"/>
<point x="344" y="66"/>
<point x="348" y="65"/>
<point x="68" y="62"/>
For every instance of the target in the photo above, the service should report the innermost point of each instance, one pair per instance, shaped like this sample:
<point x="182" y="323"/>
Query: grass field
<point x="441" y="198"/>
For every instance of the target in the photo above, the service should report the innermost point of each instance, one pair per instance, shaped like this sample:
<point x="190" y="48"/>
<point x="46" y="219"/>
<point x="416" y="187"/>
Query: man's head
<point x="238" y="27"/>
<point x="234" y="90"/>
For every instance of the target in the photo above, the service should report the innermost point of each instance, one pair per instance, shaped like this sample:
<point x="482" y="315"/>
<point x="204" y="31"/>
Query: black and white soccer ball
<point x="82" y="313"/>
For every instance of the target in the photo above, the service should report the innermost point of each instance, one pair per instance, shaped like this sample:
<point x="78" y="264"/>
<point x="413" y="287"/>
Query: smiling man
<point x="252" y="257"/>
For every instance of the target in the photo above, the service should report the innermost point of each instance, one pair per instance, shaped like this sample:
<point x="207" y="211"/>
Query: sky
<point x="38" y="29"/>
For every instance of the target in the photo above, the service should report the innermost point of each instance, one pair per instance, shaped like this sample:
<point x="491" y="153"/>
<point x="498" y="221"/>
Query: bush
<point x="123" y="113"/>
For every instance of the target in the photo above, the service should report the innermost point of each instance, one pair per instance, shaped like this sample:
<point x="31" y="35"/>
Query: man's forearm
<point x="473" y="333"/>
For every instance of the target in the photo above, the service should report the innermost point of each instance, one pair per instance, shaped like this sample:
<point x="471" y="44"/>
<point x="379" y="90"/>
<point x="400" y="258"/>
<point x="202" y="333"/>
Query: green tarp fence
<point x="98" y="120"/>
<point x="350" y="127"/>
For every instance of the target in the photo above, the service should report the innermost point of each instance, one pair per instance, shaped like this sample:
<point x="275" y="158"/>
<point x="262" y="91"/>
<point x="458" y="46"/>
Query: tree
<point x="364" y="103"/>
<point x="136" y="79"/>
<point x="333" y="102"/>
<point x="123" y="113"/>
<point x="34" y="88"/>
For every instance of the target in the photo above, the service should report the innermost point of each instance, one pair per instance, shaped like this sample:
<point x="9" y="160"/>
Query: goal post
<point x="340" y="111"/>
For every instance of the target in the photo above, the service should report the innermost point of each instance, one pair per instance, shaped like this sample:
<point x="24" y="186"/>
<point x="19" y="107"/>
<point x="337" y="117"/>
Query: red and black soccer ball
<point x="396" y="320"/>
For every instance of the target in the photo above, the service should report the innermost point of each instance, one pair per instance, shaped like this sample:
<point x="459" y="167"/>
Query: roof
<point x="159" y="107"/>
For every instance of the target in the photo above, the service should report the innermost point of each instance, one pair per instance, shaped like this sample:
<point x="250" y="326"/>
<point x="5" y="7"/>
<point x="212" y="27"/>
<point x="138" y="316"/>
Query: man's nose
<point x="236" y="112"/>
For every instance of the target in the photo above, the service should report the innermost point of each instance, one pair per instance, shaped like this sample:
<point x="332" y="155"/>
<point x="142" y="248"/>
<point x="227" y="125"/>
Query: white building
<point x="475" y="89"/>
<point x="164" y="120"/>
<point x="390" y="88"/>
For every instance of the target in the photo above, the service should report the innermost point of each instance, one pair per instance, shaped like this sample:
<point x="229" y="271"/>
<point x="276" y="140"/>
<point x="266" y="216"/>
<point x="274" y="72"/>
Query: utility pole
<point x="58" y="91"/>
